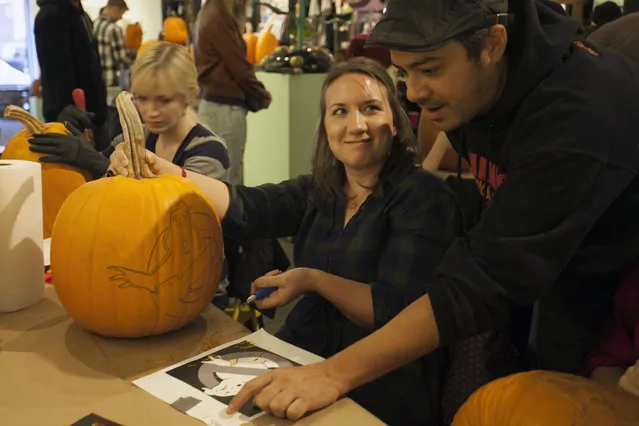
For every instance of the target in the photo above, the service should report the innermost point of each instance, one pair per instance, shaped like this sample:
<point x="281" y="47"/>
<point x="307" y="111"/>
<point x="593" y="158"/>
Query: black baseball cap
<point x="425" y="25"/>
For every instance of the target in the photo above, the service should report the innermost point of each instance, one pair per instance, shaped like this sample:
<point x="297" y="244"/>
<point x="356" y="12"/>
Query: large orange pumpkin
<point x="548" y="398"/>
<point x="175" y="30"/>
<point x="265" y="45"/>
<point x="134" y="257"/>
<point x="133" y="36"/>
<point x="251" y="43"/>
<point x="58" y="180"/>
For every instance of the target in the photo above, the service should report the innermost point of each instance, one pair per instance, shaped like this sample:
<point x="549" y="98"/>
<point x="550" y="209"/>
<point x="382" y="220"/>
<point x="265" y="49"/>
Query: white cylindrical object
<point x="21" y="228"/>
<point x="313" y="9"/>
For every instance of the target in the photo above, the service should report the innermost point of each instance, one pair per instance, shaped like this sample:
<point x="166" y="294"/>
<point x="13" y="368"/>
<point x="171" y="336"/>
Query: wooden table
<point x="52" y="372"/>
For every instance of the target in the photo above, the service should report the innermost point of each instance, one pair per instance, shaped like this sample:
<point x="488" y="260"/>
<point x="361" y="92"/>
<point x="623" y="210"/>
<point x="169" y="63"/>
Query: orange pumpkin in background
<point x="175" y="30"/>
<point x="265" y="45"/>
<point x="136" y="256"/>
<point x="58" y="180"/>
<point x="146" y="45"/>
<point x="251" y="43"/>
<point x="548" y="398"/>
<point x="133" y="36"/>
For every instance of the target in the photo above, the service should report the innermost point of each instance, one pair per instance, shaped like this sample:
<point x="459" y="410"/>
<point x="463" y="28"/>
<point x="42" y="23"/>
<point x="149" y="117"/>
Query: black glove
<point x="74" y="150"/>
<point x="77" y="117"/>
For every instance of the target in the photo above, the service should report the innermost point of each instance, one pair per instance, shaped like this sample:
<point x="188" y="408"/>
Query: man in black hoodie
<point x="68" y="57"/>
<point x="550" y="125"/>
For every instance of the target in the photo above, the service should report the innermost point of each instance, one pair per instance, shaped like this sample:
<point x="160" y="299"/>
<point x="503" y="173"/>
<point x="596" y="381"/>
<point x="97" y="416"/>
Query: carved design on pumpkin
<point x="191" y="229"/>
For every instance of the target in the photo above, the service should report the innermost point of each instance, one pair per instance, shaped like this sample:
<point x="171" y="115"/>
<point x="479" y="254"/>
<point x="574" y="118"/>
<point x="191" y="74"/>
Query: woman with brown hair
<point x="227" y="79"/>
<point x="370" y="228"/>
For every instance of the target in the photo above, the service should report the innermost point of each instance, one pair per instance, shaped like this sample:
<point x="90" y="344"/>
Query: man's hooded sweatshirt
<point x="556" y="162"/>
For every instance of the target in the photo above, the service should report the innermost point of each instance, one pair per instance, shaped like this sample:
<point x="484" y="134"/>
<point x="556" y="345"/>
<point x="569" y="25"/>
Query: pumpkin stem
<point x="29" y="121"/>
<point x="133" y="133"/>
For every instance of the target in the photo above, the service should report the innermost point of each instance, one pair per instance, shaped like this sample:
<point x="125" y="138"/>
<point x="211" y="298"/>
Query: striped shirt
<point x="111" y="49"/>
<point x="201" y="151"/>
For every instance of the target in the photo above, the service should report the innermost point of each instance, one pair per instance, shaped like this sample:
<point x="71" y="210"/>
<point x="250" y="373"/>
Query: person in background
<point x="229" y="86"/>
<point x="603" y="14"/>
<point x="622" y="36"/>
<point x="529" y="103"/>
<point x="370" y="228"/>
<point x="68" y="57"/>
<point x="164" y="88"/>
<point x="230" y="90"/>
<point x="164" y="83"/>
<point x="110" y="38"/>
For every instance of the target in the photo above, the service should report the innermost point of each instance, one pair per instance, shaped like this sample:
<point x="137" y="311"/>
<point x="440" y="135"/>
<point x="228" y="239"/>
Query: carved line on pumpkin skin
<point x="180" y="220"/>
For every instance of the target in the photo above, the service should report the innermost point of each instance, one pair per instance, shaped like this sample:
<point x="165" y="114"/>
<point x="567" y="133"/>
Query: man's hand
<point x="73" y="150"/>
<point x="291" y="392"/>
<point x="77" y="117"/>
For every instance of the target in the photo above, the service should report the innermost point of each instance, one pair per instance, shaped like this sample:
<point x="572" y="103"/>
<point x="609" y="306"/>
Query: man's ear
<point x="496" y="43"/>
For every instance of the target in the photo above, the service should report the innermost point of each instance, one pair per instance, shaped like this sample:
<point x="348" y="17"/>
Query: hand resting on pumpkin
<point x="217" y="191"/>
<point x="74" y="150"/>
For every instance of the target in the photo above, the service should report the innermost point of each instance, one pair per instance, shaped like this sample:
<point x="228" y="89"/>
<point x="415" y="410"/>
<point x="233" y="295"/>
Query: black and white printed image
<point x="222" y="374"/>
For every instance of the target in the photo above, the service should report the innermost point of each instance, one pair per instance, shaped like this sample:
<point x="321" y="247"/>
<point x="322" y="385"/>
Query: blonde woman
<point x="228" y="82"/>
<point x="164" y="85"/>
